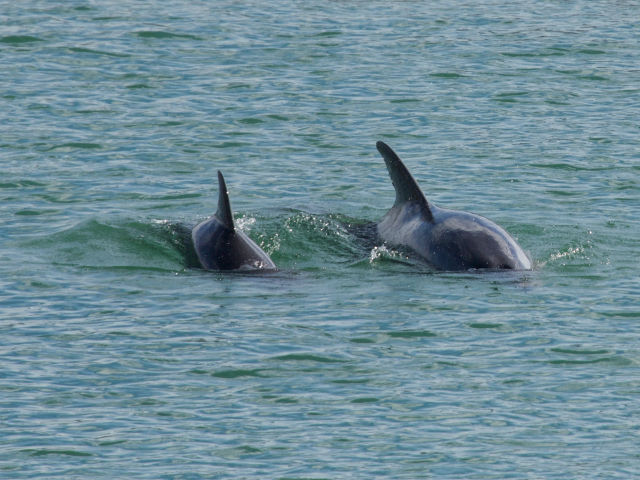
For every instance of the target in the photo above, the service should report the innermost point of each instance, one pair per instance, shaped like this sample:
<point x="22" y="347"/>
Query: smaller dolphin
<point x="446" y="239"/>
<point x="219" y="245"/>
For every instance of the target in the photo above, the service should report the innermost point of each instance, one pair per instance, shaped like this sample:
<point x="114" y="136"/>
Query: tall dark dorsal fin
<point x="224" y="206"/>
<point x="407" y="189"/>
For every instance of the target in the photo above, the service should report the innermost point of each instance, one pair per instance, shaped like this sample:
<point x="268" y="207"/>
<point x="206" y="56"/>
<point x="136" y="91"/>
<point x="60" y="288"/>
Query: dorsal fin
<point x="224" y="206"/>
<point x="407" y="189"/>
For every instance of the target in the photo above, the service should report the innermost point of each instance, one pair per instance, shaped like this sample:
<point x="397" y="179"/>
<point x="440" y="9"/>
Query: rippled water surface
<point x="120" y="360"/>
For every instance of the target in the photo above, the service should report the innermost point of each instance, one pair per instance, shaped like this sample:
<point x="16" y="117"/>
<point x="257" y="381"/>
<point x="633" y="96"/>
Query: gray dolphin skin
<point x="221" y="246"/>
<point x="447" y="239"/>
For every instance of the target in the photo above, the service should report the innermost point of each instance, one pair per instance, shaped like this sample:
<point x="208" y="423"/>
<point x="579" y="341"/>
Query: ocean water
<point x="118" y="359"/>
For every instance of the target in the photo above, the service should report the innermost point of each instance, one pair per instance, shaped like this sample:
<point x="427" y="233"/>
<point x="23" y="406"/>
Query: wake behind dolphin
<point x="446" y="239"/>
<point x="219" y="245"/>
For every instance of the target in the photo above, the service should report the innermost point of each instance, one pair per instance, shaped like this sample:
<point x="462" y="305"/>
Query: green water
<point x="120" y="360"/>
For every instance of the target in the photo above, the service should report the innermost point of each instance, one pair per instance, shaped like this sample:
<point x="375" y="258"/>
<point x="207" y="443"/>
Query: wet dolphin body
<point x="446" y="239"/>
<point x="219" y="245"/>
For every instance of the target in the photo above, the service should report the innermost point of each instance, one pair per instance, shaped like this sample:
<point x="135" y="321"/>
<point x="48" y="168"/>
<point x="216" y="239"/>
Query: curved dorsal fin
<point x="407" y="189"/>
<point x="224" y="206"/>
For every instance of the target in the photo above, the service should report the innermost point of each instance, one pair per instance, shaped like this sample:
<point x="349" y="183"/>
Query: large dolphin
<point x="221" y="246"/>
<point x="446" y="239"/>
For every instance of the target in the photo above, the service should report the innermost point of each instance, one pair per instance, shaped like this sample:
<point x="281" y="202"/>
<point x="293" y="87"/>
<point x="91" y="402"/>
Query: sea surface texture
<point x="120" y="359"/>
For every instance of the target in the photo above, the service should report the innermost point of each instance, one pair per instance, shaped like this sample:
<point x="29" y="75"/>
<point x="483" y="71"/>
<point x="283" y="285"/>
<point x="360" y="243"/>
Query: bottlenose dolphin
<point x="446" y="239"/>
<point x="219" y="245"/>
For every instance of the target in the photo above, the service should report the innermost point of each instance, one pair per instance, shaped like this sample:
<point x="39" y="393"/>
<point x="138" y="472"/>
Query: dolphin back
<point x="220" y="246"/>
<point x="446" y="239"/>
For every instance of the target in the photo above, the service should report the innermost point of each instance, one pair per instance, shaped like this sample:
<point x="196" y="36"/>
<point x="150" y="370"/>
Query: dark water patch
<point x="275" y="116"/>
<point x="591" y="51"/>
<point x="594" y="77"/>
<point x="450" y="75"/>
<point x="239" y="452"/>
<point x="579" y="351"/>
<point x="405" y="100"/>
<point x="512" y="94"/>
<point x="111" y="443"/>
<point x="251" y="121"/>
<point x="514" y="381"/>
<point x="238" y="86"/>
<point x="350" y="381"/>
<point x="237" y="373"/>
<point x="551" y="52"/>
<point x="506" y="100"/>
<point x="571" y="167"/>
<point x="306" y="357"/>
<point x="568" y="72"/>
<point x="362" y="340"/>
<point x="556" y="102"/>
<point x="581" y="75"/>
<point x="21" y="184"/>
<point x="116" y="332"/>
<point x="509" y="97"/>
<point x="328" y="33"/>
<point x="602" y="140"/>
<point x="225" y="145"/>
<point x="564" y="193"/>
<point x="633" y="313"/>
<point x="409" y="334"/>
<point x="91" y="111"/>
<point x="305" y="478"/>
<point x="41" y="285"/>
<point x="138" y="86"/>
<point x="76" y="145"/>
<point x="616" y="360"/>
<point x="287" y="400"/>
<point x="98" y="52"/>
<point x="248" y="449"/>
<point x="34" y="213"/>
<point x="19" y="39"/>
<point x="39" y="452"/>
<point x="365" y="400"/>
<point x="199" y="371"/>
<point x="485" y="325"/>
<point x="160" y="34"/>
<point x="173" y="415"/>
<point x="556" y="166"/>
<point x="324" y="44"/>
<point x="161" y="196"/>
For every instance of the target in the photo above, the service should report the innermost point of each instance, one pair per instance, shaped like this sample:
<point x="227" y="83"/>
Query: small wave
<point x="383" y="253"/>
<point x="580" y="252"/>
<point x="159" y="245"/>
<point x="296" y="241"/>
<point x="307" y="241"/>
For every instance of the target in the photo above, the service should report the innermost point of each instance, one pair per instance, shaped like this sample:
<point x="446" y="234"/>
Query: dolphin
<point x="219" y="245"/>
<point x="446" y="239"/>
